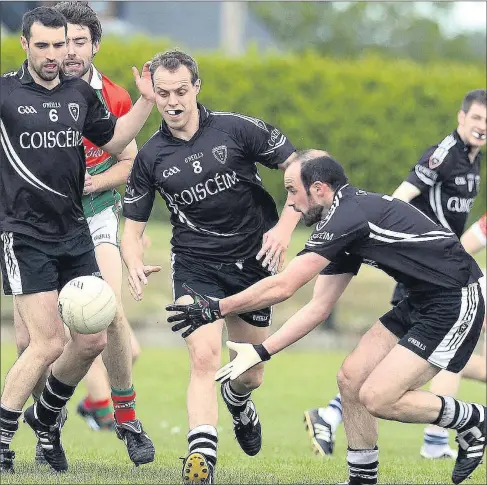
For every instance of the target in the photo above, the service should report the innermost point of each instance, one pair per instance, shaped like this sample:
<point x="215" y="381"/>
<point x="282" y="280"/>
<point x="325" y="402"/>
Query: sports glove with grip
<point x="204" y="310"/>
<point x="248" y="355"/>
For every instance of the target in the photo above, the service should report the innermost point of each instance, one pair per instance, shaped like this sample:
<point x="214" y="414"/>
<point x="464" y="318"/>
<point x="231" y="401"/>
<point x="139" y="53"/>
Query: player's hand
<point x="248" y="355"/>
<point x="144" y="82"/>
<point x="137" y="277"/>
<point x="202" y="311"/>
<point x="89" y="186"/>
<point x="274" y="246"/>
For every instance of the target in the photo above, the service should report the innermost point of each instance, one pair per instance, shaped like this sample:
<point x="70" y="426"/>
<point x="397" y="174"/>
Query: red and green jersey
<point x="117" y="100"/>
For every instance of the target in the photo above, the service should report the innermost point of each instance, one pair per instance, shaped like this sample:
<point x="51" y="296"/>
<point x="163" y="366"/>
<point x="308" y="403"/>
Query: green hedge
<point x="374" y="115"/>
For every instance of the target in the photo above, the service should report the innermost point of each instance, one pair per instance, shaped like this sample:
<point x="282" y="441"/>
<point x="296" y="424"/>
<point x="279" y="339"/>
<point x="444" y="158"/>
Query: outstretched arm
<point x="327" y="291"/>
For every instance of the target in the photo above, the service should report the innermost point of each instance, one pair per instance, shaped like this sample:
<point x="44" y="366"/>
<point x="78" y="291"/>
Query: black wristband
<point x="262" y="351"/>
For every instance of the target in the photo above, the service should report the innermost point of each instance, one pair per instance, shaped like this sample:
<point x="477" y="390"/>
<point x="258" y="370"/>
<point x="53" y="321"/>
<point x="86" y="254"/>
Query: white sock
<point x="332" y="414"/>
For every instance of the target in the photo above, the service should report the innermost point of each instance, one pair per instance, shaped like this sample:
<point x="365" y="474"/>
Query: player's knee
<point x="204" y="358"/>
<point x="22" y="342"/>
<point x="348" y="382"/>
<point x="47" y="353"/>
<point x="92" y="345"/>
<point x="374" y="401"/>
<point x="253" y="378"/>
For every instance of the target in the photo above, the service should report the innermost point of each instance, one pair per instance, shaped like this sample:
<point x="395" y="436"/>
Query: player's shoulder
<point x="10" y="80"/>
<point x="152" y="146"/>
<point x="234" y="120"/>
<point x="437" y="154"/>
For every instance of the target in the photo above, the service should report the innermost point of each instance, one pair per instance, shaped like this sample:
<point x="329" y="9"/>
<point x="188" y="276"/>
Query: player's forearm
<point x="132" y="249"/>
<point x="289" y="218"/>
<point x="267" y="292"/>
<point x="129" y="125"/>
<point x="299" y="325"/>
<point x="113" y="177"/>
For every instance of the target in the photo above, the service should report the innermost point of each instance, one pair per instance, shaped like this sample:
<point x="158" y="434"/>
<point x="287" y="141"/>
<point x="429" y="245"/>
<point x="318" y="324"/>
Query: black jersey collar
<point x="204" y="117"/>
<point x="25" y="76"/>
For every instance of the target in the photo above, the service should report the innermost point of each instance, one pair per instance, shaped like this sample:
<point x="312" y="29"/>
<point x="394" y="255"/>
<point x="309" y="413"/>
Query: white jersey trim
<point x="19" y="167"/>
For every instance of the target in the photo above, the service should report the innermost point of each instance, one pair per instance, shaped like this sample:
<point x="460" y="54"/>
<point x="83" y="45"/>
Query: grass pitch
<point x="295" y="381"/>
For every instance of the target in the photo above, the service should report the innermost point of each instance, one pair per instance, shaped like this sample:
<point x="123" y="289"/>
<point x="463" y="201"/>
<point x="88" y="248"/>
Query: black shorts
<point x="30" y="265"/>
<point x="219" y="280"/>
<point x="442" y="327"/>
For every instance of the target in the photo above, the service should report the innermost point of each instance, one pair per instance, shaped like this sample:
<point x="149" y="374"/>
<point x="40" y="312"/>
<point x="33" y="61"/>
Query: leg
<point x="117" y="358"/>
<point x="435" y="443"/>
<point x="204" y="347"/>
<point x="361" y="427"/>
<point x="22" y="339"/>
<point x="445" y="336"/>
<point x="38" y="318"/>
<point x="476" y="367"/>
<point x="39" y="313"/>
<point x="236" y="394"/>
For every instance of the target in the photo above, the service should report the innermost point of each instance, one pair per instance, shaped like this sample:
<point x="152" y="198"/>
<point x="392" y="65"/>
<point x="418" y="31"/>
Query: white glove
<point x="247" y="356"/>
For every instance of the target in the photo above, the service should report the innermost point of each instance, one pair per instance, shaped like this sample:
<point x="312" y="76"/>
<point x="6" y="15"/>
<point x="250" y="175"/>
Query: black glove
<point x="204" y="310"/>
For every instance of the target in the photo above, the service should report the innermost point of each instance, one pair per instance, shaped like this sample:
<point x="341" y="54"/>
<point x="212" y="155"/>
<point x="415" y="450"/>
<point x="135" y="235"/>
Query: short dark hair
<point x="173" y="60"/>
<point x="475" y="96"/>
<point x="80" y="13"/>
<point x="320" y="169"/>
<point x="46" y="16"/>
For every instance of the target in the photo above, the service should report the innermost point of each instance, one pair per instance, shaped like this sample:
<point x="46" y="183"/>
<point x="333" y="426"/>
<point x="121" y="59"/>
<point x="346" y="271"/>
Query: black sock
<point x="459" y="415"/>
<point x="204" y="439"/>
<point x="235" y="402"/>
<point x="53" y="398"/>
<point x="363" y="466"/>
<point x="9" y="424"/>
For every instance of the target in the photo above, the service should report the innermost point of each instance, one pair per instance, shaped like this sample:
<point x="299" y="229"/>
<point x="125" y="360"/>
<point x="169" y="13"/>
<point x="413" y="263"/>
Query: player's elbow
<point x="287" y="288"/>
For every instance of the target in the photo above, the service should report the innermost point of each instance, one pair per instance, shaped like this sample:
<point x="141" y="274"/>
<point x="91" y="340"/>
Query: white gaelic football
<point x="87" y="304"/>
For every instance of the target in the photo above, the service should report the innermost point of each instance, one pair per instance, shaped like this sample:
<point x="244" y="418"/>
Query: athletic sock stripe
<point x="364" y="466"/>
<point x="206" y="436"/>
<point x="207" y="451"/>
<point x="203" y="446"/>
<point x="197" y="443"/>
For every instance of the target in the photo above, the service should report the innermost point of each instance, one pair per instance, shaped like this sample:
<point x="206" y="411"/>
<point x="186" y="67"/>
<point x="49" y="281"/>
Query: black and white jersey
<point x="211" y="185"/>
<point x="448" y="181"/>
<point x="363" y="227"/>
<point x="42" y="156"/>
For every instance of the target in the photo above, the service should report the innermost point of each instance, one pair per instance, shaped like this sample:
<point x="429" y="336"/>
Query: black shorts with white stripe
<point x="219" y="280"/>
<point x="30" y="265"/>
<point x="443" y="327"/>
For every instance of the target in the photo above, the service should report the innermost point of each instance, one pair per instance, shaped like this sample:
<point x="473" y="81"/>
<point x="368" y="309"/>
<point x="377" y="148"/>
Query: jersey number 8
<point x="197" y="167"/>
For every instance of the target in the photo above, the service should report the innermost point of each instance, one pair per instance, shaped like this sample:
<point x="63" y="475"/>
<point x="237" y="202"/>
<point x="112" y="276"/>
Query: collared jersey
<point x="211" y="185"/>
<point x="392" y="235"/>
<point x="448" y="181"/>
<point x="116" y="100"/>
<point x="42" y="155"/>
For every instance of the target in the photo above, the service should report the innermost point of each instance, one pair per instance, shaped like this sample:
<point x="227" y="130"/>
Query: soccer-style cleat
<point x="443" y="452"/>
<point x="247" y="429"/>
<point x="50" y="439"/>
<point x="139" y="446"/>
<point x="93" y="420"/>
<point x="60" y="421"/>
<point x="471" y="447"/>
<point x="320" y="432"/>
<point x="196" y="469"/>
<point x="7" y="460"/>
